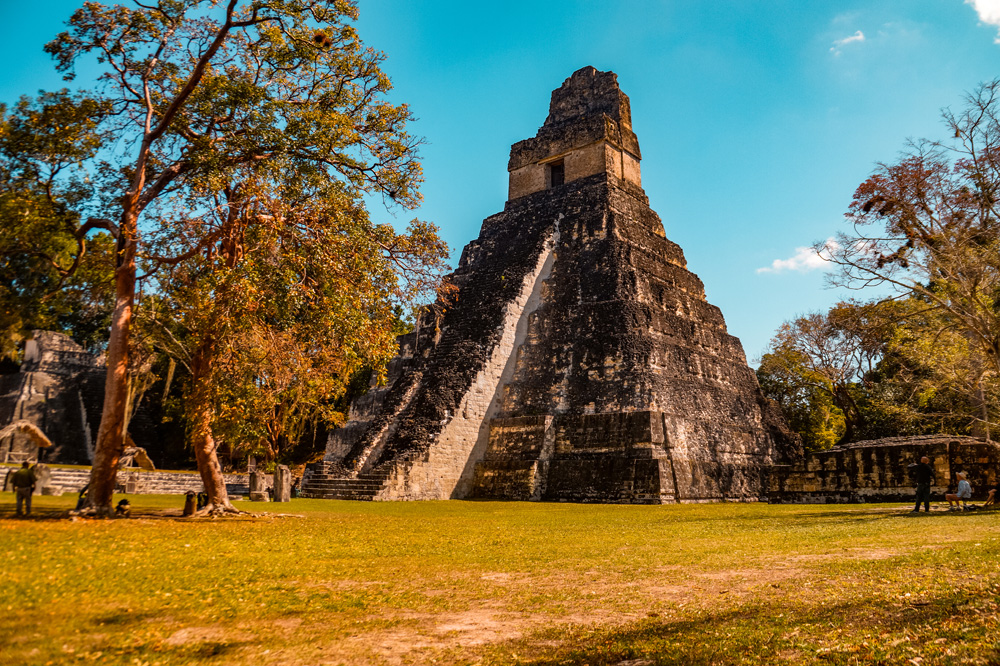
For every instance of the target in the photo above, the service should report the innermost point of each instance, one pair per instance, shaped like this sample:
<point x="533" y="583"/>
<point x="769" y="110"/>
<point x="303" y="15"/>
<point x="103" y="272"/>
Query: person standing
<point x="923" y="474"/>
<point x="24" y="484"/>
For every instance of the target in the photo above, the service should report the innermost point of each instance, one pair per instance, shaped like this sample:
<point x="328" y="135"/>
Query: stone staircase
<point x="323" y="480"/>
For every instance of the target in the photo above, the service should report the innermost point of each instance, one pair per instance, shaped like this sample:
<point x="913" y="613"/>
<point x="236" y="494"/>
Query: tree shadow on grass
<point x="866" y="632"/>
<point x="868" y="513"/>
<point x="120" y="618"/>
<point x="174" y="653"/>
<point x="8" y="511"/>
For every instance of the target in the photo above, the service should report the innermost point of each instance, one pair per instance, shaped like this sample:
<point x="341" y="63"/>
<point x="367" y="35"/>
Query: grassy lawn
<point x="501" y="583"/>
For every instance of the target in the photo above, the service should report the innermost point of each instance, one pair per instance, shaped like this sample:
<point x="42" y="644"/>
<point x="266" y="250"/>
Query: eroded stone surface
<point x="579" y="360"/>
<point x="59" y="389"/>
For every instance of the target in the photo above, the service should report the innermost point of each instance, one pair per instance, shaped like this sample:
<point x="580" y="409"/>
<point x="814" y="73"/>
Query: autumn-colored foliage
<point x="219" y="122"/>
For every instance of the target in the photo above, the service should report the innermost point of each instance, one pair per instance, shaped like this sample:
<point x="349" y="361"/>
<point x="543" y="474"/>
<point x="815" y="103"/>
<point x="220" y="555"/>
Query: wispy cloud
<point x="858" y="36"/>
<point x="989" y="13"/>
<point x="804" y="260"/>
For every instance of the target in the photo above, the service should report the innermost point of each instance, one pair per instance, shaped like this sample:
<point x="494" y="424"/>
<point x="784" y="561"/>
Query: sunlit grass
<point x="500" y="583"/>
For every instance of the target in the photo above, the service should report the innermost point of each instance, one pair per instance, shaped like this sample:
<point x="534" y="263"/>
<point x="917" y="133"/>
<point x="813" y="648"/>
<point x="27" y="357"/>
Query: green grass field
<point x="500" y="583"/>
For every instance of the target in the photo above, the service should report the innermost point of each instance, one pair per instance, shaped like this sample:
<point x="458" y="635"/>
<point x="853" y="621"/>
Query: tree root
<point x="91" y="511"/>
<point x="216" y="511"/>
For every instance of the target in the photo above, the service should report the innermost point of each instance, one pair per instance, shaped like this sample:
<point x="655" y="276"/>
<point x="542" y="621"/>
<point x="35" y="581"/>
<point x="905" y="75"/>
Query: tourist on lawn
<point x="991" y="497"/>
<point x="923" y="474"/>
<point x="963" y="495"/>
<point x="24" y="484"/>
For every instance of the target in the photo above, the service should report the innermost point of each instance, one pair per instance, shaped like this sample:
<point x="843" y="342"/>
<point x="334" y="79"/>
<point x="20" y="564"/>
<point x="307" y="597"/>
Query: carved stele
<point x="579" y="360"/>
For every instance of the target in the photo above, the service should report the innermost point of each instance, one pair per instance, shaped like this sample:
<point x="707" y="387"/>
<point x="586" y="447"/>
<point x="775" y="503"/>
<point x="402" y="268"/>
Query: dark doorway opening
<point x="557" y="174"/>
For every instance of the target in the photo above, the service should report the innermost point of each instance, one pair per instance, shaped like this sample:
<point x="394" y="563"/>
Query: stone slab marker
<point x="282" y="484"/>
<point x="579" y="360"/>
<point x="258" y="487"/>
<point x="43" y="477"/>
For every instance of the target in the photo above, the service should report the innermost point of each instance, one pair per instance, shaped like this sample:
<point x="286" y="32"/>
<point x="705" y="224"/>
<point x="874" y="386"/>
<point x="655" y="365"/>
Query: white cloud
<point x="856" y="37"/>
<point x="804" y="260"/>
<point x="989" y="13"/>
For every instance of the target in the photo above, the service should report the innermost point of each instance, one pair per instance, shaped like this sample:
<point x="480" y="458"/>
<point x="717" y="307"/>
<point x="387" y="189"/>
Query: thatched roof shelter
<point x="33" y="432"/>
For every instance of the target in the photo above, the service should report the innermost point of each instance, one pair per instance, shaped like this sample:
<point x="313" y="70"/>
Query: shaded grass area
<point x="500" y="583"/>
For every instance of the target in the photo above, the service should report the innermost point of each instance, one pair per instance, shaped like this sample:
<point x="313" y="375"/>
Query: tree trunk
<point x="981" y="425"/>
<point x="852" y="415"/>
<point x="201" y="412"/>
<point x="111" y="433"/>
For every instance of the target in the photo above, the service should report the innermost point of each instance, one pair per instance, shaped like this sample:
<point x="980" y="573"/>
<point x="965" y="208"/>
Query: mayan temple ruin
<point x="577" y="361"/>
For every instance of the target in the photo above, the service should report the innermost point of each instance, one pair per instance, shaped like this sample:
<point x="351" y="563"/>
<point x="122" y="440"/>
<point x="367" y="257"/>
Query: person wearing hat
<point x="24" y="484"/>
<point x="963" y="495"/>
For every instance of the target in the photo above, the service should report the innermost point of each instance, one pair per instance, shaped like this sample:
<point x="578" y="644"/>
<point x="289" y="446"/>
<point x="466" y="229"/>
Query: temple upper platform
<point x="588" y="131"/>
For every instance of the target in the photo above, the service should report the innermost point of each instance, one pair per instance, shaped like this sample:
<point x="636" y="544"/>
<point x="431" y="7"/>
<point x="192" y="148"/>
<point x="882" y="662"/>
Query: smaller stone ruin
<point x="877" y="470"/>
<point x="59" y="389"/>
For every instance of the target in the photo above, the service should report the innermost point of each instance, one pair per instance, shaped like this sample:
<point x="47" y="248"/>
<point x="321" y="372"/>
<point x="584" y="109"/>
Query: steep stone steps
<point x="328" y="485"/>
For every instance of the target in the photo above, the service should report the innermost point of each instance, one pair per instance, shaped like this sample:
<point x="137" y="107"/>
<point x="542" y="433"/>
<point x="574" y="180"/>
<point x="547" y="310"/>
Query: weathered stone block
<point x="282" y="484"/>
<point x="258" y="487"/>
<point x="43" y="477"/>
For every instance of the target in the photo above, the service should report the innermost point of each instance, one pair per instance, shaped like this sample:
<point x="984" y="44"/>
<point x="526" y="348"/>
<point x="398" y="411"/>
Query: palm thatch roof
<point x="33" y="432"/>
<point x="137" y="455"/>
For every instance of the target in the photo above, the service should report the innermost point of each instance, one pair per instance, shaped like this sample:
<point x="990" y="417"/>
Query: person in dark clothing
<point x="81" y="502"/>
<point x="24" y="485"/>
<point x="923" y="474"/>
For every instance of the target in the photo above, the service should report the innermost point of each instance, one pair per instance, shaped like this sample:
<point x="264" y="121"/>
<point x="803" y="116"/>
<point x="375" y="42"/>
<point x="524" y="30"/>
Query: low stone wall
<point x="877" y="470"/>
<point x="134" y="481"/>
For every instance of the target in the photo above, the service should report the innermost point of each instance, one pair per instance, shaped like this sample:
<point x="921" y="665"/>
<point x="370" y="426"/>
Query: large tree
<point x="927" y="226"/>
<point x="932" y="377"/>
<point x="203" y="91"/>
<point x="875" y="369"/>
<point x="820" y="360"/>
<point x="298" y="292"/>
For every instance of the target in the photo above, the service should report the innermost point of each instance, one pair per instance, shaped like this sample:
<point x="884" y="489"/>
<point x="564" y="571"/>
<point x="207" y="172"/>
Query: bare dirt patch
<point x="287" y="625"/>
<point x="189" y="635"/>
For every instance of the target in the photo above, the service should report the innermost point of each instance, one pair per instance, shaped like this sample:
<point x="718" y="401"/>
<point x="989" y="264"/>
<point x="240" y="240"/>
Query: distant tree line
<point x="926" y="357"/>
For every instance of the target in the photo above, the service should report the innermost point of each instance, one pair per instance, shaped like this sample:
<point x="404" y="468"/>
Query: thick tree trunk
<point x="205" y="449"/>
<point x="852" y="415"/>
<point x="111" y="433"/>
<point x="981" y="426"/>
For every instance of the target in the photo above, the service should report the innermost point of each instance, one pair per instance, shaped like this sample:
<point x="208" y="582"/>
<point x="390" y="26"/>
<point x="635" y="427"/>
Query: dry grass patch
<point x="501" y="583"/>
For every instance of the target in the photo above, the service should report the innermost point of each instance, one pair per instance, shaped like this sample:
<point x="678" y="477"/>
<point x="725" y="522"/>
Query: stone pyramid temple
<point x="577" y="361"/>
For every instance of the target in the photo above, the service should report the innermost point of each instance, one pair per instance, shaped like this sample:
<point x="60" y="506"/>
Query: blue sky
<point x="756" y="120"/>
